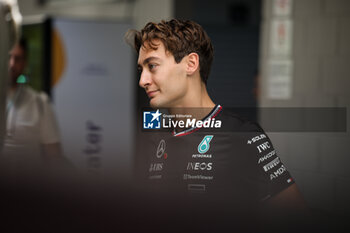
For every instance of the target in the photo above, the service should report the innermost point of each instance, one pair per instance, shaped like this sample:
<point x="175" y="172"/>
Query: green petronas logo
<point x="204" y="145"/>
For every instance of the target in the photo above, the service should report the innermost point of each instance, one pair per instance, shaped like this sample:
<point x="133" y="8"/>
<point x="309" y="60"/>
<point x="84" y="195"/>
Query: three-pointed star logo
<point x="156" y="115"/>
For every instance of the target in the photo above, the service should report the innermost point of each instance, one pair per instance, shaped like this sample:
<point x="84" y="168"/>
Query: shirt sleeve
<point x="270" y="174"/>
<point x="48" y="126"/>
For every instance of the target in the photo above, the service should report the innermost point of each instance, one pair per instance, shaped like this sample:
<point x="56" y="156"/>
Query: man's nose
<point x="145" y="79"/>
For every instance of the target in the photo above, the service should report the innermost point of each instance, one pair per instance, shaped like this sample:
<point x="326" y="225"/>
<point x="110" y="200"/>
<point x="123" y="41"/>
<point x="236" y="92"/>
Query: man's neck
<point x="198" y="104"/>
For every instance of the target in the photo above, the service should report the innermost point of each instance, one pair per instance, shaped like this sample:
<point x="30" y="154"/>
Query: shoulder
<point x="29" y="90"/>
<point x="34" y="99"/>
<point x="36" y="94"/>
<point x="244" y="135"/>
<point x="233" y="122"/>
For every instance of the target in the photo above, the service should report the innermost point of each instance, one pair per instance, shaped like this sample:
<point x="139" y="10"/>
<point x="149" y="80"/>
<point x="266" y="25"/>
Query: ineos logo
<point x="199" y="166"/>
<point x="161" y="149"/>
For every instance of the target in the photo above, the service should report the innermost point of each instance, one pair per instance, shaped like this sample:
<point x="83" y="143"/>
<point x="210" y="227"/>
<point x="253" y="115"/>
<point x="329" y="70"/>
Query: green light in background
<point x="21" y="79"/>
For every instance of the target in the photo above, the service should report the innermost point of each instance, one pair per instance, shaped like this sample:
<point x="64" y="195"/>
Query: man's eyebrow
<point x="147" y="60"/>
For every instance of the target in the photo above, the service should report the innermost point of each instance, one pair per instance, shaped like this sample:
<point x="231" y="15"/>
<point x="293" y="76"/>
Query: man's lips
<point x="151" y="93"/>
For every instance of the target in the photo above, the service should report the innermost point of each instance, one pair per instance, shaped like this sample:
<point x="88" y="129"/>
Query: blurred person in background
<point x="32" y="139"/>
<point x="10" y="20"/>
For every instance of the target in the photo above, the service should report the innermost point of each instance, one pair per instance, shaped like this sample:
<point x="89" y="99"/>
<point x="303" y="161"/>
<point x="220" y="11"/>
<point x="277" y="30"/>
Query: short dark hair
<point x="180" y="38"/>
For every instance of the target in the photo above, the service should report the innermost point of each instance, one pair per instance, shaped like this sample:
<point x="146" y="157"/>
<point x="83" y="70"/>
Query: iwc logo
<point x="204" y="145"/>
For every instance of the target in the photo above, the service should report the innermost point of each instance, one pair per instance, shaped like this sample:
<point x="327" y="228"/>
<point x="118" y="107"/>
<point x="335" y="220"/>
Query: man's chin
<point x="154" y="104"/>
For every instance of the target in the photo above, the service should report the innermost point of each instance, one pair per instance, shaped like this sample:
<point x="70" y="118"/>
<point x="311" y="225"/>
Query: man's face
<point x="17" y="63"/>
<point x="164" y="81"/>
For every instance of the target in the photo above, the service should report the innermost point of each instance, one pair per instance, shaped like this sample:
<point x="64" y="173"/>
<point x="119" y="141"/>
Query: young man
<point x="233" y="161"/>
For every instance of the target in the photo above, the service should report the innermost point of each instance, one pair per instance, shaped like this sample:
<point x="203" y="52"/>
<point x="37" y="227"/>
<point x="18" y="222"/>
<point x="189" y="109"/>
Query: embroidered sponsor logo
<point x="197" y="177"/>
<point x="205" y="144"/>
<point x="160" y="153"/>
<point x="201" y="156"/>
<point x="256" y="138"/>
<point x="271" y="164"/>
<point x="264" y="146"/>
<point x="161" y="149"/>
<point x="278" y="172"/>
<point x="199" y="166"/>
<point x="265" y="157"/>
<point x="156" y="167"/>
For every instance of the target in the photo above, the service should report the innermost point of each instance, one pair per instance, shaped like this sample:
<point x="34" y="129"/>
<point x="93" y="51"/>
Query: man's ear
<point x="192" y="63"/>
